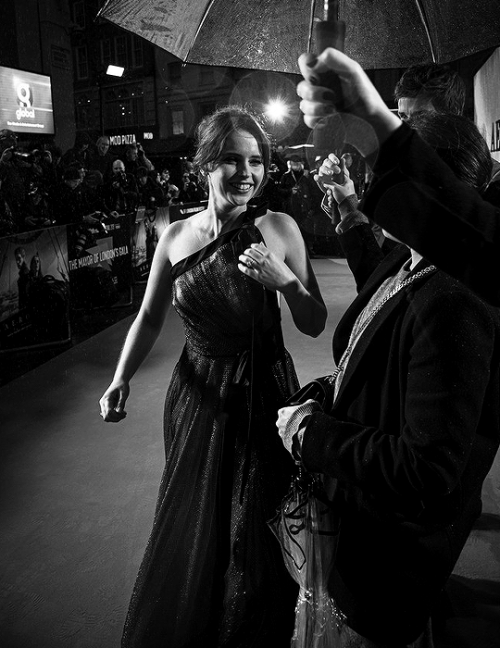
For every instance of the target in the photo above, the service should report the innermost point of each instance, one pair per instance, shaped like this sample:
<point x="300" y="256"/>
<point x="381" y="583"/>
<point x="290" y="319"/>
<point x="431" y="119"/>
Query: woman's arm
<point x="142" y="334"/>
<point x="283" y="265"/>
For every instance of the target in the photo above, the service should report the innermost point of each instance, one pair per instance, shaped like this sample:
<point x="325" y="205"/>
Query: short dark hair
<point x="458" y="142"/>
<point x="213" y="131"/>
<point x="444" y="87"/>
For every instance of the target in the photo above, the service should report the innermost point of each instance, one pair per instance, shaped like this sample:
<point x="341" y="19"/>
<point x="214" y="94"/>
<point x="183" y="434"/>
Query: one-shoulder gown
<point x="213" y="574"/>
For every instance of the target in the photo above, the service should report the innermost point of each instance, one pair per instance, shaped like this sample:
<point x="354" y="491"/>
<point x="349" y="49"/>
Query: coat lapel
<point x="377" y="324"/>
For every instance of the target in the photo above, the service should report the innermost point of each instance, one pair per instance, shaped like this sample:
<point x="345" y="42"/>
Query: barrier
<point x="34" y="289"/>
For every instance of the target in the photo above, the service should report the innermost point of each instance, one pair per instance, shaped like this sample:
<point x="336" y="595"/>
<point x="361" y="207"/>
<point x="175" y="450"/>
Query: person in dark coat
<point x="413" y="429"/>
<point x="414" y="194"/>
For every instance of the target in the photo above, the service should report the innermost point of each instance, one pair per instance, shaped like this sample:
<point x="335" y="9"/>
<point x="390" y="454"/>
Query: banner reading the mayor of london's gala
<point x="100" y="264"/>
<point x="34" y="290"/>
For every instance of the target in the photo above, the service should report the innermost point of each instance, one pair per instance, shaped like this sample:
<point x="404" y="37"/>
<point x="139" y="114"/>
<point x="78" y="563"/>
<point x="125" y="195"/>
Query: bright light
<point x="115" y="70"/>
<point x="276" y="110"/>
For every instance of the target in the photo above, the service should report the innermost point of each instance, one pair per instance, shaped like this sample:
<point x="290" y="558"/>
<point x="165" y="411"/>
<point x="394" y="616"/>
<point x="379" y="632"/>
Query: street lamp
<point x="115" y="70"/>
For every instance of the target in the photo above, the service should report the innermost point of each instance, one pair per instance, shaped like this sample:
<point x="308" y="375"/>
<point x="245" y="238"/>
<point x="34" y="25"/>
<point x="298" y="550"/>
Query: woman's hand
<point x="264" y="266"/>
<point x="330" y="167"/>
<point x="112" y="403"/>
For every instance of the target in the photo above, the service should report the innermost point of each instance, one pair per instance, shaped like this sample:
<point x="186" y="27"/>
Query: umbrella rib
<point x="203" y="18"/>
<point x="425" y="23"/>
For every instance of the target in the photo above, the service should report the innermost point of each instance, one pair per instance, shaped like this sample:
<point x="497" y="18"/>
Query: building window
<point x="137" y="52"/>
<point x="174" y="72"/>
<point x="106" y="52"/>
<point x="206" y="75"/>
<point x="124" y="106"/>
<point x="83" y="113"/>
<point x="121" y="51"/>
<point x="79" y="14"/>
<point x="177" y="122"/>
<point x="82" y="62"/>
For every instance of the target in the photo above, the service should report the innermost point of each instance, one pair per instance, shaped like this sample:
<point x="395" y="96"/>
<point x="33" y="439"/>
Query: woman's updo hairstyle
<point x="213" y="131"/>
<point x="458" y="142"/>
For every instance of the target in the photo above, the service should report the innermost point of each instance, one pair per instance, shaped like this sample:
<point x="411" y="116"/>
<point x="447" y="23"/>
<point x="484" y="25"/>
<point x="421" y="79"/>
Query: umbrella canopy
<point x="271" y="34"/>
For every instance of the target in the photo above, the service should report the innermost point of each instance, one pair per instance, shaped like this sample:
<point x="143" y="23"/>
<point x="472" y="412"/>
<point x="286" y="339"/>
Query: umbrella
<point x="271" y="34"/>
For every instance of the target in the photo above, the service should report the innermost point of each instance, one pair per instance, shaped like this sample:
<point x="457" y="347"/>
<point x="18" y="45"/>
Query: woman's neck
<point x="219" y="219"/>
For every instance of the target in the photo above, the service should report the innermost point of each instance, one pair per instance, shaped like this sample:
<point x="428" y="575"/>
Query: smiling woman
<point x="212" y="574"/>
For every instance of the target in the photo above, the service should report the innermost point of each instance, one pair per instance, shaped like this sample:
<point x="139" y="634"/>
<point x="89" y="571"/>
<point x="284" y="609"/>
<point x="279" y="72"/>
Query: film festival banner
<point x="486" y="104"/>
<point x="34" y="289"/>
<point x="100" y="264"/>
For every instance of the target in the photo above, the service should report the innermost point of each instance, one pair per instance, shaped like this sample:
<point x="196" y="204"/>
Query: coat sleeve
<point x="451" y="355"/>
<point x="417" y="198"/>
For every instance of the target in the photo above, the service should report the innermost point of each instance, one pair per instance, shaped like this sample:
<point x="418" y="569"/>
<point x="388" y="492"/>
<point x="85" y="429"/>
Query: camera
<point x="23" y="156"/>
<point x="120" y="179"/>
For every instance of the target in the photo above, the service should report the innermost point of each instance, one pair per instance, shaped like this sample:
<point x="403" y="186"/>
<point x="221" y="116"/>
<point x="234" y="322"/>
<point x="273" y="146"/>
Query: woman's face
<point x="239" y="172"/>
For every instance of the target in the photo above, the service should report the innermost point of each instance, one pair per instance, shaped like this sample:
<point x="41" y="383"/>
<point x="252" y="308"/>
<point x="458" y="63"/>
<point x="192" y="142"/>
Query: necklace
<point x="332" y="379"/>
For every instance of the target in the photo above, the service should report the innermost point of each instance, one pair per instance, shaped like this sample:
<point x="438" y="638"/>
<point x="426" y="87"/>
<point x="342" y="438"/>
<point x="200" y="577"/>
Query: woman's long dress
<point x="213" y="574"/>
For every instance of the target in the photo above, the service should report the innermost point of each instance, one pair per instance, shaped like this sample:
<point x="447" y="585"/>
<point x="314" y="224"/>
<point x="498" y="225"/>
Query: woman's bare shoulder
<point x="179" y="239"/>
<point x="278" y="222"/>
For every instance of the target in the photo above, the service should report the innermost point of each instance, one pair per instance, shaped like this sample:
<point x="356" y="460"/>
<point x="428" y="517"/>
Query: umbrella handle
<point x="331" y="31"/>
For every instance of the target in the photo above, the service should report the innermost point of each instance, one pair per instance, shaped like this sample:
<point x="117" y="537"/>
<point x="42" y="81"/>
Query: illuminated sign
<point x="26" y="102"/>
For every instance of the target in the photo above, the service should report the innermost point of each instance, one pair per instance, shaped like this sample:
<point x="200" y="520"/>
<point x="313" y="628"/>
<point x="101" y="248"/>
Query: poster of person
<point x="34" y="289"/>
<point x="148" y="227"/>
<point x="100" y="263"/>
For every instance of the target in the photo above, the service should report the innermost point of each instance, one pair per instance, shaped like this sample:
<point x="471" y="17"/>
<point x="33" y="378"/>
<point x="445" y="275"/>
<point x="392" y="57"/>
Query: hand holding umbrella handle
<point x="329" y="33"/>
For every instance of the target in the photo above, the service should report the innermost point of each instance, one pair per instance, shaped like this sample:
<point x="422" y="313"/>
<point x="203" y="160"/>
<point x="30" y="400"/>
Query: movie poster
<point x="34" y="289"/>
<point x="148" y="227"/>
<point x="100" y="264"/>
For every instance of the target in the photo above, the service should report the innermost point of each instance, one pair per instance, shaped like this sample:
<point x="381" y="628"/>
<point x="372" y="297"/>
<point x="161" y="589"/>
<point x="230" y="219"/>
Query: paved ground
<point x="77" y="496"/>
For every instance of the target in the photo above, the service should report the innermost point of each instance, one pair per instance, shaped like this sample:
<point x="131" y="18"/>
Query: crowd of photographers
<point x="86" y="184"/>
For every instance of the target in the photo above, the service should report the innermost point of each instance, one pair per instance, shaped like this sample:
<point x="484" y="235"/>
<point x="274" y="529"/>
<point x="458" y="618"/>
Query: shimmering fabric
<point x="213" y="574"/>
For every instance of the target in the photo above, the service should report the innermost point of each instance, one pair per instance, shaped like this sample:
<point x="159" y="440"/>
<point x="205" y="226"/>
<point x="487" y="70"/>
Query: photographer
<point x="135" y="157"/>
<point x="120" y="194"/>
<point x="15" y="171"/>
<point x="69" y="201"/>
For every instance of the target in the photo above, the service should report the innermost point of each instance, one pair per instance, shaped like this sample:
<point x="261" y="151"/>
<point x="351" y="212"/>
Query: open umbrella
<point x="271" y="34"/>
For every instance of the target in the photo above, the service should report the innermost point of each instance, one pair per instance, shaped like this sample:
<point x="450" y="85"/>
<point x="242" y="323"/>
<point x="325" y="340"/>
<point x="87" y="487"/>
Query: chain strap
<point x="406" y="282"/>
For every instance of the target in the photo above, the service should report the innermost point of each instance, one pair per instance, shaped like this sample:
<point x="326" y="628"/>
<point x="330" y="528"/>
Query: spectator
<point x="7" y="223"/>
<point x="69" y="200"/>
<point x="101" y="159"/>
<point x="135" y="157"/>
<point x="15" y="171"/>
<point x="170" y="190"/>
<point x="299" y="195"/>
<point x="79" y="153"/>
<point x="190" y="190"/>
<point x="429" y="87"/>
<point x="120" y="194"/>
<point x="150" y="193"/>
